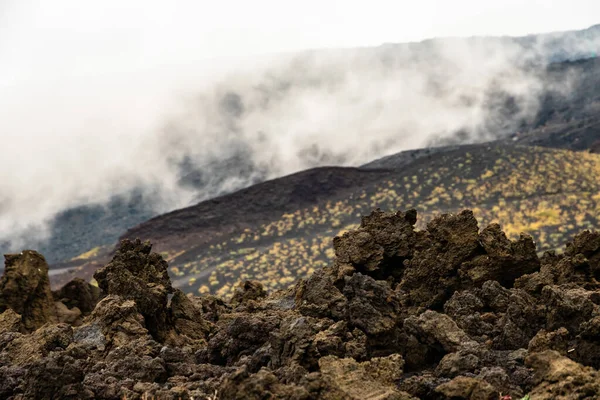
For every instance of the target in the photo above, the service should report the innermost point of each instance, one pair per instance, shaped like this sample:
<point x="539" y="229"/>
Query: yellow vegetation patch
<point x="551" y="194"/>
<point x="88" y="254"/>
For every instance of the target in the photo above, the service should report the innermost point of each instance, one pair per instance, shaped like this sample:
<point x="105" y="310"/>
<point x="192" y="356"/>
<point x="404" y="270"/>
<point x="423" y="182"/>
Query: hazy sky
<point x="41" y="40"/>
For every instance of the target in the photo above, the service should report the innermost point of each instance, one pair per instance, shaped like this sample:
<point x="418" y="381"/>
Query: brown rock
<point x="25" y="288"/>
<point x="10" y="321"/>
<point x="466" y="388"/>
<point x="375" y="379"/>
<point x="373" y="306"/>
<point x="262" y="385"/>
<point x="317" y="296"/>
<point x="432" y="274"/>
<point x="119" y="320"/>
<point x="23" y="349"/>
<point x="557" y="340"/>
<point x="79" y="293"/>
<point x="248" y="290"/>
<point x="434" y="328"/>
<point x="135" y="273"/>
<point x="430" y="314"/>
<point x="504" y="260"/>
<point x="557" y="377"/>
<point x="71" y="317"/>
<point x="378" y="247"/>
<point x="188" y="326"/>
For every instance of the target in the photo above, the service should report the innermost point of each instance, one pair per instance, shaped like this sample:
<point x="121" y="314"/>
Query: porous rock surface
<point x="25" y="289"/>
<point x="451" y="312"/>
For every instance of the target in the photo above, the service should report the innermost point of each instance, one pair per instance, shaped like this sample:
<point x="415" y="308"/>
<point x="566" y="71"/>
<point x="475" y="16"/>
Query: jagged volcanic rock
<point x="451" y="312"/>
<point x="78" y="293"/>
<point x="138" y="275"/>
<point x="25" y="288"/>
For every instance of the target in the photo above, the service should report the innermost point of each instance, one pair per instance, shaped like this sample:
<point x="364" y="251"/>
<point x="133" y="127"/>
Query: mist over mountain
<point x="112" y="164"/>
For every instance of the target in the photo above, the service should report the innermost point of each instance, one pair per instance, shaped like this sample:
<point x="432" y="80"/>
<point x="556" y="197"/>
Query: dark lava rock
<point x="79" y="293"/>
<point x="378" y="247"/>
<point x="466" y="388"/>
<point x="137" y="274"/>
<point x="10" y="321"/>
<point x="317" y="296"/>
<point x="186" y="323"/>
<point x="246" y="291"/>
<point x="450" y="312"/>
<point x="558" y="377"/>
<point x="19" y="350"/>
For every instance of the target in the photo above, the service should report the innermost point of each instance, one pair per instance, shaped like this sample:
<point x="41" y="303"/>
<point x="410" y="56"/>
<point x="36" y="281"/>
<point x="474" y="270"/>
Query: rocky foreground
<point x="444" y="313"/>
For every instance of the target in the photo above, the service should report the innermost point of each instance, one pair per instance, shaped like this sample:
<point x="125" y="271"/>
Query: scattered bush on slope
<point x="550" y="194"/>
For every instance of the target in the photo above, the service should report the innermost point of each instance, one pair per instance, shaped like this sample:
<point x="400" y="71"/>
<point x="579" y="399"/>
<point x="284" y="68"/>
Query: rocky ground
<point x="449" y="312"/>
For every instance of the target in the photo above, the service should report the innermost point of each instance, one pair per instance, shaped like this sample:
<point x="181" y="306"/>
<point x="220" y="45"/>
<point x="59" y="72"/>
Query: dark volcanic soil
<point x="450" y="312"/>
<point x="249" y="207"/>
<point x="212" y="220"/>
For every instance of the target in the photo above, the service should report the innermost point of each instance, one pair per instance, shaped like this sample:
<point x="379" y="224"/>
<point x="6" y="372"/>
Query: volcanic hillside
<point x="298" y="214"/>
<point x="571" y="121"/>
<point x="568" y="119"/>
<point x="281" y="230"/>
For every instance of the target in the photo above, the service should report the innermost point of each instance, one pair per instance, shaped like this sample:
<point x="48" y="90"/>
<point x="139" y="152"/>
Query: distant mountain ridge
<point x="544" y="48"/>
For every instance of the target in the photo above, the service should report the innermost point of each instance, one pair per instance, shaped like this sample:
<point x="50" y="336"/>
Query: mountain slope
<point x="280" y="230"/>
<point x="248" y="207"/>
<point x="567" y="122"/>
<point x="548" y="193"/>
<point x="570" y="121"/>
